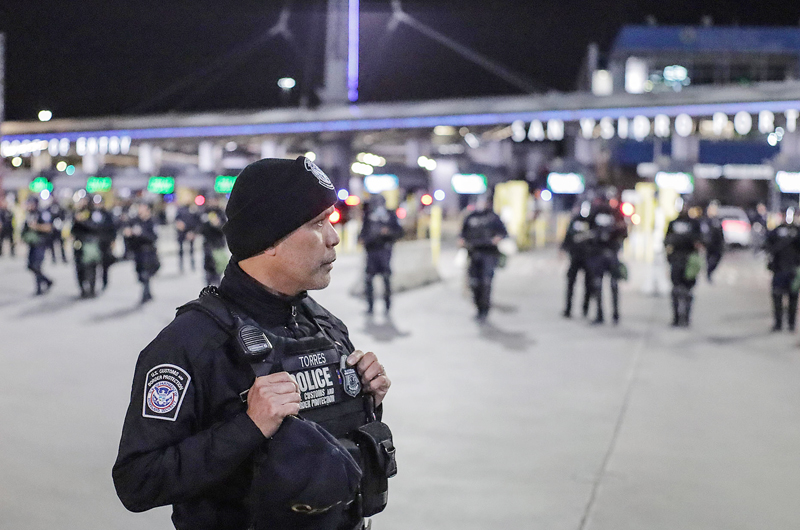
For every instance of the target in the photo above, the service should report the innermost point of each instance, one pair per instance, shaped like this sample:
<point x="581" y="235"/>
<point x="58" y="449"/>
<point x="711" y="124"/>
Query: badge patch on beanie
<point x="321" y="176"/>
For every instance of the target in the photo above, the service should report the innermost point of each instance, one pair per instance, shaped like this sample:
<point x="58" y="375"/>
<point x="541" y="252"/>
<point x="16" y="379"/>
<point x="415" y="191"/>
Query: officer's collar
<point x="266" y="306"/>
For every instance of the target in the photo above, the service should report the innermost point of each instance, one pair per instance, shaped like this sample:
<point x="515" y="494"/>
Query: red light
<point x="335" y="217"/>
<point x="401" y="213"/>
<point x="613" y="203"/>
<point x="199" y="200"/>
<point x="627" y="209"/>
<point x="352" y="200"/>
<point x="426" y="199"/>
<point x="735" y="225"/>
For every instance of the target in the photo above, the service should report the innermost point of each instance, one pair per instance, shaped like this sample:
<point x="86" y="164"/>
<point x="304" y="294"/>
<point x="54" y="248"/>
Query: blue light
<point x="352" y="51"/>
<point x="546" y="195"/>
<point x="438" y="195"/>
<point x="343" y="194"/>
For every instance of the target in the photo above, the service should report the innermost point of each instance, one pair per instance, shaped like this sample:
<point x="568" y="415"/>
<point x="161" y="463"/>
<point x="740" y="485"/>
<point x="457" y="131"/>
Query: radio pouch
<point x="378" y="460"/>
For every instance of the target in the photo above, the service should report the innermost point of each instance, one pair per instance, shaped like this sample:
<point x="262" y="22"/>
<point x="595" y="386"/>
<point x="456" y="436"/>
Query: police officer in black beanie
<point x="253" y="409"/>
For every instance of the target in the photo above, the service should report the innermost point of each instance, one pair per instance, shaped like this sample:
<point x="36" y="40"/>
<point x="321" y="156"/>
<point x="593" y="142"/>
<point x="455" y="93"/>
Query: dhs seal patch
<point x="317" y="172"/>
<point x="164" y="389"/>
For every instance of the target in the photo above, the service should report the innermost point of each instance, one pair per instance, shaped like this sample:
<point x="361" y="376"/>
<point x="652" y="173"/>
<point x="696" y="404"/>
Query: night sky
<point x="99" y="57"/>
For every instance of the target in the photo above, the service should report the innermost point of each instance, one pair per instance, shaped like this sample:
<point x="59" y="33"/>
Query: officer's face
<point x="305" y="257"/>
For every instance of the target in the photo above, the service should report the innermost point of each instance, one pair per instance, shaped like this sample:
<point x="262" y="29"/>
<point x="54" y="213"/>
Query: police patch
<point x="317" y="172"/>
<point x="164" y="389"/>
<point x="351" y="384"/>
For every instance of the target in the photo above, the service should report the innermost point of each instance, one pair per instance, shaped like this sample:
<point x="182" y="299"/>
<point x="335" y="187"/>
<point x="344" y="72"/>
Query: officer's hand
<point x="272" y="398"/>
<point x="373" y="376"/>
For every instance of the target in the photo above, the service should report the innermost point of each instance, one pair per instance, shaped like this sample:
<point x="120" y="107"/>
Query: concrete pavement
<point x="532" y="421"/>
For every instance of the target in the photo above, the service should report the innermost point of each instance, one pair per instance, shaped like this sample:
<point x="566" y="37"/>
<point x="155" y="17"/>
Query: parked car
<point x="736" y="227"/>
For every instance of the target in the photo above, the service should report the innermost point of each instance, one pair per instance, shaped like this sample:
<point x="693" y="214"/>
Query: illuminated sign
<point x="40" y="184"/>
<point x="224" y="183"/>
<point x="162" y="185"/>
<point x="679" y="181"/>
<point x="469" y="183"/>
<point x="566" y="183"/>
<point x="788" y="181"/>
<point x="380" y="183"/>
<point x="98" y="184"/>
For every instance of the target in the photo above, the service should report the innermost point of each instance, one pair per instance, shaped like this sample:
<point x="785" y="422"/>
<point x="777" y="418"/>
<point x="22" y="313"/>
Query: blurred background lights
<point x="426" y="163"/>
<point x="61" y="166"/>
<point x="97" y="199"/>
<point x="286" y="83"/>
<point x="199" y="200"/>
<point x="546" y="195"/>
<point x="401" y="213"/>
<point x="230" y="146"/>
<point x="44" y="194"/>
<point x="45" y="115"/>
<point x="426" y="199"/>
<point x="361" y="169"/>
<point x="444" y="130"/>
<point x="439" y="195"/>
<point x="352" y="200"/>
<point x="343" y="194"/>
<point x="16" y="161"/>
<point x="335" y="217"/>
<point x="371" y="159"/>
<point x="70" y="170"/>
<point x="311" y="155"/>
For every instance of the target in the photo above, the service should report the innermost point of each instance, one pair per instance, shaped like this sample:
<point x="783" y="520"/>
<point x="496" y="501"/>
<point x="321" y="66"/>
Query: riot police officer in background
<point x="6" y="226"/>
<point x="211" y="221"/>
<point x="480" y="234"/>
<point x="576" y="244"/>
<point x="378" y="234"/>
<point x="782" y="244"/>
<point x="141" y="235"/>
<point x="713" y="238"/>
<point x="187" y="221"/>
<point x="59" y="216"/>
<point x="246" y="409"/>
<point x="683" y="241"/>
<point x="86" y="247"/>
<point x="36" y="232"/>
<point x="608" y="231"/>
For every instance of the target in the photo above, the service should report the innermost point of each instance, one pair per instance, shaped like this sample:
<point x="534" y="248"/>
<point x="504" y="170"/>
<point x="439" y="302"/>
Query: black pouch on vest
<point x="378" y="459"/>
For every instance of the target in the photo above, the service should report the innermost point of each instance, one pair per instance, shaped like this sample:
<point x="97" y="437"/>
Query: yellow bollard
<point x="436" y="233"/>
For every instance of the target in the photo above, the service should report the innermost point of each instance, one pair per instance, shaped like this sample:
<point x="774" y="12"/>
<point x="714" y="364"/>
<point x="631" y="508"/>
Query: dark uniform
<point x="59" y="217"/>
<point x="35" y="232"/>
<point x="211" y="222"/>
<point x="682" y="241"/>
<point x="714" y="241"/>
<point x="379" y="232"/>
<point x="783" y="246"/>
<point x="608" y="230"/>
<point x="7" y="229"/>
<point x="107" y="231"/>
<point x="142" y="242"/>
<point x="187" y="221"/>
<point x="480" y="230"/>
<point x="87" y="253"/>
<point x="576" y="243"/>
<point x="187" y="439"/>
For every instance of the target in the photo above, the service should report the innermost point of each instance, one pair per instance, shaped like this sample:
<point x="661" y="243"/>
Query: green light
<point x="162" y="185"/>
<point x="70" y="170"/>
<point x="39" y="184"/>
<point x="224" y="183"/>
<point x="98" y="184"/>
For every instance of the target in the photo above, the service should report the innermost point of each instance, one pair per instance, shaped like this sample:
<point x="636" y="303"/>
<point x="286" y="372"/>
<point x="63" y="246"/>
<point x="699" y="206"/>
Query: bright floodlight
<point x="45" y="115"/>
<point x="286" y="83"/>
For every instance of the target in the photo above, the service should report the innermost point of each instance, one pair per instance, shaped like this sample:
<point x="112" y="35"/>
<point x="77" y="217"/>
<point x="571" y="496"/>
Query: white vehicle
<point x="736" y="228"/>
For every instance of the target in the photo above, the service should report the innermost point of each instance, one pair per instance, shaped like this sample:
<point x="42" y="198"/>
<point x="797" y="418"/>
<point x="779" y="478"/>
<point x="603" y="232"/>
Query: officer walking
<point x="683" y="241"/>
<point x="378" y="234"/>
<point x="608" y="230"/>
<point x="187" y="221"/>
<point x="576" y="244"/>
<point x="782" y="244"/>
<point x="36" y="232"/>
<point x="246" y="409"/>
<point x="141" y="236"/>
<point x="480" y="234"/>
<point x="6" y="226"/>
<point x="713" y="238"/>
<point x="211" y="222"/>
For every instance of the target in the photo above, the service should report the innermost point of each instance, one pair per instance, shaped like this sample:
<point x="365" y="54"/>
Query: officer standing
<point x="141" y="236"/>
<point x="107" y="232"/>
<point x="36" y="232"/>
<point x="211" y="222"/>
<point x="608" y="230"/>
<point x="683" y="241"/>
<point x="59" y="217"/>
<point x="782" y="244"/>
<point x="244" y="410"/>
<point x="713" y="237"/>
<point x="187" y="221"/>
<point x="6" y="226"/>
<point x="86" y="245"/>
<point x="480" y="234"/>
<point x="378" y="234"/>
<point x="576" y="244"/>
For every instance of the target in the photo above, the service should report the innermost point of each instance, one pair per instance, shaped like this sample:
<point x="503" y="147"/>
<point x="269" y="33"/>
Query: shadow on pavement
<point x="502" y="308"/>
<point x="50" y="304"/>
<point x="510" y="340"/>
<point x="114" y="315"/>
<point x="383" y="332"/>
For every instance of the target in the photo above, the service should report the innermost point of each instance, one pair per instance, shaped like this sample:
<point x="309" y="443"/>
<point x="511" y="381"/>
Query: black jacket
<point x="480" y="228"/>
<point x="783" y="246"/>
<point x="683" y="235"/>
<point x="198" y="455"/>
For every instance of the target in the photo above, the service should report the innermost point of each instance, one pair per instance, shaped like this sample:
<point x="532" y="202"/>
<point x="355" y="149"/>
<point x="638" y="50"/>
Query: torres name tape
<point x="164" y="389"/>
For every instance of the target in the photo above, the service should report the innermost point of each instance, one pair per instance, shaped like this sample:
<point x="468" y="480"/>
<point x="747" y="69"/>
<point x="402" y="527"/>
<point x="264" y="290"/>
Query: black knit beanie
<point x="270" y="199"/>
